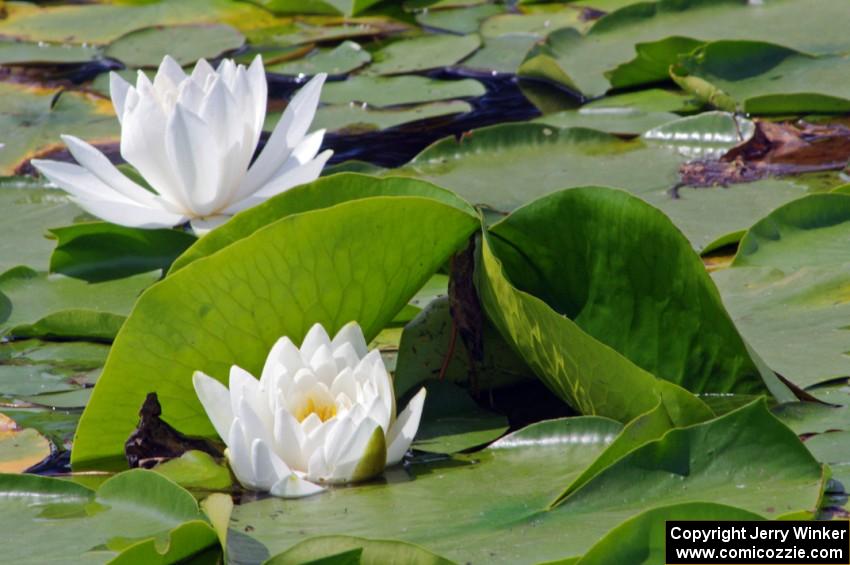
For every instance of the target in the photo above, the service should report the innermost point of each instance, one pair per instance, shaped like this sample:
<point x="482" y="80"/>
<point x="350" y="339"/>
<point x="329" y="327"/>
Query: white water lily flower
<point x="192" y="138"/>
<point x="324" y="413"/>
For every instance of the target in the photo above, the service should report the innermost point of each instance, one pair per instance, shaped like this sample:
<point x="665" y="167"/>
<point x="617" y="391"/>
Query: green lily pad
<point x="20" y="448"/>
<point x="28" y="53"/>
<point x="33" y="117"/>
<point x="394" y="91"/>
<point x="832" y="449"/>
<point x="622" y="121"/>
<point x="304" y="32"/>
<point x="453" y="422"/>
<point x="661" y="31"/>
<point x="539" y="25"/>
<point x="41" y="305"/>
<point x="344" y="7"/>
<point x="813" y="418"/>
<point x="422" y="53"/>
<point x="503" y="167"/>
<point x="785" y="289"/>
<point x="31" y="367"/>
<point x="705" y="136"/>
<point x="763" y="78"/>
<point x="342" y="59"/>
<point x="651" y="100"/>
<point x="95" y="527"/>
<point x="98" y="251"/>
<point x="492" y="505"/>
<point x="103" y="23"/>
<point x="30" y="210"/>
<point x="185" y="44"/>
<point x="503" y="54"/>
<point x="354" y="119"/>
<point x="332" y="549"/>
<point x="196" y="470"/>
<point x="58" y="425"/>
<point x="462" y="20"/>
<point x="360" y="260"/>
<point x="71" y="399"/>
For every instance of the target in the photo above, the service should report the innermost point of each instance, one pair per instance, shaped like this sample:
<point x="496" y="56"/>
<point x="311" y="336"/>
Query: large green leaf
<point x="453" y="422"/>
<point x="102" y="251"/>
<point x="642" y="539"/>
<point x="763" y="78"/>
<point x="490" y="507"/>
<point x="34" y="304"/>
<point x="322" y="193"/>
<point x="661" y="31"/>
<point x="786" y="289"/>
<point x="30" y="210"/>
<point x="360" y="260"/>
<point x="578" y="283"/>
<point x="425" y="352"/>
<point x="186" y="44"/>
<point x="60" y="521"/>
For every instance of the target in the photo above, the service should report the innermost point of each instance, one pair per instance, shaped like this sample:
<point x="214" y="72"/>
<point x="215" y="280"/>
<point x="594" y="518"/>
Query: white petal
<point x="268" y="467"/>
<point x="352" y="334"/>
<point x="258" y="87"/>
<point x="195" y="158"/>
<point x="345" y="357"/>
<point x="379" y="414"/>
<point x="242" y="384"/>
<point x="288" y="133"/>
<point x="101" y="200"/>
<point x="294" y="486"/>
<point x="337" y="440"/>
<point x="295" y="176"/>
<point x="239" y="455"/>
<point x="310" y="424"/>
<point x="215" y="398"/>
<point x="130" y="215"/>
<point x="118" y="88"/>
<point x="324" y="365"/>
<point x="315" y="338"/>
<point x="254" y="426"/>
<point x="202" y="226"/>
<point x="344" y="466"/>
<point x="284" y="357"/>
<point x="345" y="384"/>
<point x="100" y="166"/>
<point x="288" y="439"/>
<point x="168" y="76"/>
<point x="201" y="72"/>
<point x="404" y="429"/>
<point x="143" y="146"/>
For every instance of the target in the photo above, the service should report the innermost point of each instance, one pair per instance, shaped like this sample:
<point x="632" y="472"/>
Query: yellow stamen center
<point x="310" y="404"/>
